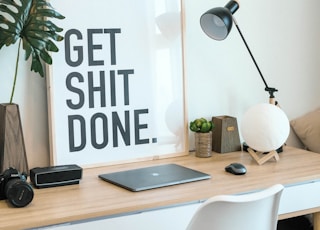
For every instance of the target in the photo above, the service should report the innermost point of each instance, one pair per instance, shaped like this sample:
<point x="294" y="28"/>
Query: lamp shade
<point x="265" y="127"/>
<point x="217" y="22"/>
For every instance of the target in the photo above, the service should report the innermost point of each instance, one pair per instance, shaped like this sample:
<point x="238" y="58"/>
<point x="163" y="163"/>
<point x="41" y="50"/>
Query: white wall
<point x="31" y="96"/>
<point x="284" y="37"/>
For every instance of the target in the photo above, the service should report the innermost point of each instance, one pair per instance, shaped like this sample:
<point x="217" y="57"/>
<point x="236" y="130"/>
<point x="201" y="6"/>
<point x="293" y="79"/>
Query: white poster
<point x="116" y="87"/>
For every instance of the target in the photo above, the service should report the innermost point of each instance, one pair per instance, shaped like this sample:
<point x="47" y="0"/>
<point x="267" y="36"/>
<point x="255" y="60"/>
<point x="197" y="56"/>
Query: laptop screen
<point x="154" y="177"/>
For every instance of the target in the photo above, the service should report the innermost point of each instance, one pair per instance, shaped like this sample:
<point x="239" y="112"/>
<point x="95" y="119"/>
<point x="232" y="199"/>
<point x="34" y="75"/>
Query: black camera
<point x="15" y="188"/>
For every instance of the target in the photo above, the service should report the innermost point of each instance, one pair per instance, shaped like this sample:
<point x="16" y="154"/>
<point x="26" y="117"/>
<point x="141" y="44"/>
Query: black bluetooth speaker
<point x="55" y="176"/>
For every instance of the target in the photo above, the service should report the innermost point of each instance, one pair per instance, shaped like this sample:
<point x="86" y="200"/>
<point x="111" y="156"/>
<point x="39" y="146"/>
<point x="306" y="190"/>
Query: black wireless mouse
<point x="236" y="169"/>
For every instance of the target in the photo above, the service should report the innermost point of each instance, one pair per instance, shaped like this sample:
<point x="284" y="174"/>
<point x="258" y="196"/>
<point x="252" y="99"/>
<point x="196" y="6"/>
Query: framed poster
<point x="116" y="87"/>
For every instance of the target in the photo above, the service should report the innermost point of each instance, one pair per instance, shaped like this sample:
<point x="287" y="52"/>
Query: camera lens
<point x="18" y="192"/>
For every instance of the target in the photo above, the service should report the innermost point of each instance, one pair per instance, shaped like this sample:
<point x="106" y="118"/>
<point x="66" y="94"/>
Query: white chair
<point x="253" y="211"/>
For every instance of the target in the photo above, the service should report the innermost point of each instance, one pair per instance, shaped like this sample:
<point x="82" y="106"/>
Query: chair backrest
<point x="252" y="211"/>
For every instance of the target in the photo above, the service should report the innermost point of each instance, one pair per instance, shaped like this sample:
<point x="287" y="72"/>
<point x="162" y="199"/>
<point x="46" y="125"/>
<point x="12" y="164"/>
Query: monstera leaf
<point x="28" y="21"/>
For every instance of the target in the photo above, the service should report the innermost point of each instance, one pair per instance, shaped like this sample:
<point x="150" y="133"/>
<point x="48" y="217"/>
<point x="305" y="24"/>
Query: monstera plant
<point x="28" y="22"/>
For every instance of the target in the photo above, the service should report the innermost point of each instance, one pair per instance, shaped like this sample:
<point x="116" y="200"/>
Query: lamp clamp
<point x="271" y="91"/>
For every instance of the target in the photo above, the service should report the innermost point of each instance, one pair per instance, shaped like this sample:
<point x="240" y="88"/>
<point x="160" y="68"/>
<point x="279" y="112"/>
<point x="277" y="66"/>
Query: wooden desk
<point x="94" y="198"/>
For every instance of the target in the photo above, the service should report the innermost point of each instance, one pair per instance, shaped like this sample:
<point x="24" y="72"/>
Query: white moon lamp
<point x="265" y="127"/>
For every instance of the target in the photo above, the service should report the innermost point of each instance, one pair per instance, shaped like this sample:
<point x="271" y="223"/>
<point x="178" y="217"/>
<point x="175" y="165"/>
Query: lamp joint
<point x="271" y="91"/>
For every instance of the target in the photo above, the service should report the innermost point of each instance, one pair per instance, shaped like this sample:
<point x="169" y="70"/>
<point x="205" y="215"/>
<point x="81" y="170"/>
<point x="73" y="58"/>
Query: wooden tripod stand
<point x="261" y="157"/>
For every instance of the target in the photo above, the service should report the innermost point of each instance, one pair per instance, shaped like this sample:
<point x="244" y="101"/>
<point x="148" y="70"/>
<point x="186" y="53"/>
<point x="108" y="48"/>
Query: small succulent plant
<point x="201" y="125"/>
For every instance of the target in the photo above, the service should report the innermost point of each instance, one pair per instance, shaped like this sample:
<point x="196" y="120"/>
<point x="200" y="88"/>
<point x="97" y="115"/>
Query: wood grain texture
<point x="12" y="147"/>
<point x="225" y="135"/>
<point x="96" y="198"/>
<point x="316" y="221"/>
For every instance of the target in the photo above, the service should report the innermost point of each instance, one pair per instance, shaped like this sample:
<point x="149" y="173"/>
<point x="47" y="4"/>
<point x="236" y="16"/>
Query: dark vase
<point x="12" y="147"/>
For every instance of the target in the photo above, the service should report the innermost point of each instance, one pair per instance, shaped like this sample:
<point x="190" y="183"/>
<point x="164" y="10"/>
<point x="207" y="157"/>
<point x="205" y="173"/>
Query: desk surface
<point x="94" y="198"/>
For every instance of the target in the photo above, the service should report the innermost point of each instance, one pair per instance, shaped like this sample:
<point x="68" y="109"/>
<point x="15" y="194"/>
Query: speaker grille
<point x="56" y="175"/>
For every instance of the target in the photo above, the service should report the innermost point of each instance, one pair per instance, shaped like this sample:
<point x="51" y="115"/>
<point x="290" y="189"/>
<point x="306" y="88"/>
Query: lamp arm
<point x="267" y="88"/>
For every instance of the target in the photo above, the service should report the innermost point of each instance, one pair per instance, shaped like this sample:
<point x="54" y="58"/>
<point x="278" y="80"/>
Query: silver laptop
<point x="154" y="177"/>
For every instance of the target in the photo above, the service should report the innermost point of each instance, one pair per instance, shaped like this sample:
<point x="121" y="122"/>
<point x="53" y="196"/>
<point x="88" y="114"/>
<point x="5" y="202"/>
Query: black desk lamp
<point x="217" y="23"/>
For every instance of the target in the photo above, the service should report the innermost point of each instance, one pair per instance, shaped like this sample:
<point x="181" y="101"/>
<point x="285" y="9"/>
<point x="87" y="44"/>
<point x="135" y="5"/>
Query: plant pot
<point x="12" y="147"/>
<point x="203" y="144"/>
